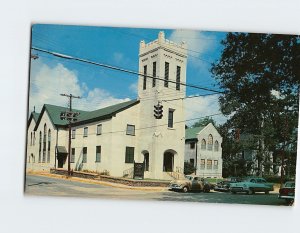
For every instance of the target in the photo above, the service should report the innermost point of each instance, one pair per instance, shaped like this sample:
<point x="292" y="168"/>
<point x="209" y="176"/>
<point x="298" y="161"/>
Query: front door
<point x="168" y="162"/>
<point x="61" y="159"/>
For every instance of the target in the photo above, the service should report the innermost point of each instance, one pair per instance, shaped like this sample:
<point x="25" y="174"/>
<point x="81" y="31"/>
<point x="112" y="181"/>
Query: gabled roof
<point x="84" y="116"/>
<point x="104" y="113"/>
<point x="191" y="133"/>
<point x="34" y="116"/>
<point x="54" y="114"/>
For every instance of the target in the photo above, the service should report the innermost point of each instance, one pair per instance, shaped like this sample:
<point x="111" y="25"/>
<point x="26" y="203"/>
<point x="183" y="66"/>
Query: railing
<point x="128" y="173"/>
<point x="177" y="174"/>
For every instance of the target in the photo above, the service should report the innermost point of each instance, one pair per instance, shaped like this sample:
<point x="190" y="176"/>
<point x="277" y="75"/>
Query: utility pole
<point x="70" y="117"/>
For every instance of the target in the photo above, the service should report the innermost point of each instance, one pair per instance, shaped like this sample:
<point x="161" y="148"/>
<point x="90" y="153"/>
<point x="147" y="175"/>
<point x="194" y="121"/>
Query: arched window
<point x="40" y="147"/>
<point x="31" y="139"/>
<point x="203" y="144"/>
<point x="49" y="143"/>
<point x="216" y="145"/>
<point x="210" y="142"/>
<point x="44" y="143"/>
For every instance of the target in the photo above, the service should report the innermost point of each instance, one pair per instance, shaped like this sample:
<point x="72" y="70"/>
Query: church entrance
<point x="168" y="165"/>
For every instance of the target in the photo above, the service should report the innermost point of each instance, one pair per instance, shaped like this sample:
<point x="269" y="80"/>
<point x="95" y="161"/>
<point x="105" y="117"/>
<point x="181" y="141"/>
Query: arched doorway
<point x="168" y="163"/>
<point x="146" y="160"/>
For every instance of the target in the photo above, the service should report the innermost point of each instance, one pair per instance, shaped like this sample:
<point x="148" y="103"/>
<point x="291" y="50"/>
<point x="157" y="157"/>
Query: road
<point x="46" y="186"/>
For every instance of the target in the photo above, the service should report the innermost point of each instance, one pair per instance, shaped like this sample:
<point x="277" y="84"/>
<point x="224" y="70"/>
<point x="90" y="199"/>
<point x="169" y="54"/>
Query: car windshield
<point x="189" y="177"/>
<point x="290" y="185"/>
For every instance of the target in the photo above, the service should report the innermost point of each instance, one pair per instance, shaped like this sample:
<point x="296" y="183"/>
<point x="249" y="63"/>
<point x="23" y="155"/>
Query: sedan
<point x="252" y="185"/>
<point x="190" y="183"/>
<point x="287" y="192"/>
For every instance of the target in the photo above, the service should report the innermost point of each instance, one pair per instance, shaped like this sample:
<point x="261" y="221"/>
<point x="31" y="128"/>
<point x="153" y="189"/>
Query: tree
<point x="189" y="168"/>
<point x="260" y="76"/>
<point x="204" y="122"/>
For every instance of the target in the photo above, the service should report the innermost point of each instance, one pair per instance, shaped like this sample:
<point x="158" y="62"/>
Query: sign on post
<point x="138" y="170"/>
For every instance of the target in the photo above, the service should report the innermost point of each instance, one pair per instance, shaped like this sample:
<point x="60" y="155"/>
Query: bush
<point x="189" y="168"/>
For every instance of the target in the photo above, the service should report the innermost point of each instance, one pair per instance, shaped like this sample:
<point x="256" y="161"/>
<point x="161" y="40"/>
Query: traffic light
<point x="62" y="115"/>
<point x="158" y="110"/>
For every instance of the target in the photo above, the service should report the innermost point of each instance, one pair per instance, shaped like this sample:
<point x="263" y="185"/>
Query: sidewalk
<point x="100" y="182"/>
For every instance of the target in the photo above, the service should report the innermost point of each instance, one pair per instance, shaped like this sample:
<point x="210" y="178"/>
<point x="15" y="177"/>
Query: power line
<point x="64" y="56"/>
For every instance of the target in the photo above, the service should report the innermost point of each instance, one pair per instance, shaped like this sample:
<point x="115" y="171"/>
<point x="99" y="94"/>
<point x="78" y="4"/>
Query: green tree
<point x="259" y="75"/>
<point x="204" y="122"/>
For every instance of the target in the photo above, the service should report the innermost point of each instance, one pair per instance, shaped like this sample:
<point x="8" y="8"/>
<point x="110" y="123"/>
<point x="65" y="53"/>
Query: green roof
<point x="54" y="113"/>
<point x="191" y="133"/>
<point x="105" y="113"/>
<point x="84" y="116"/>
<point x="35" y="116"/>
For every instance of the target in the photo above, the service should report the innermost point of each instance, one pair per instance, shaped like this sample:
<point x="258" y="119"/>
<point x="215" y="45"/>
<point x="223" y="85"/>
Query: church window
<point x="203" y="144"/>
<point x="216" y="145"/>
<point x="170" y="118"/>
<point x="178" y="78"/>
<point x="145" y="78"/>
<point x="154" y="75"/>
<point x="210" y="142"/>
<point x="166" y="84"/>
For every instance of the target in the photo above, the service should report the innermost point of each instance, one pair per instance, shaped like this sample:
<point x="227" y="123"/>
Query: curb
<point x="105" y="183"/>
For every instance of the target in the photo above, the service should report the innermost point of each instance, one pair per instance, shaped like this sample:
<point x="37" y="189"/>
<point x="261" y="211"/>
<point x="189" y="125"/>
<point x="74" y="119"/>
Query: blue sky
<point x="100" y="87"/>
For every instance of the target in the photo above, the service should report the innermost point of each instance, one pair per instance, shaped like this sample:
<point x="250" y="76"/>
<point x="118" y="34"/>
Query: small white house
<point x="203" y="150"/>
<point x="111" y="139"/>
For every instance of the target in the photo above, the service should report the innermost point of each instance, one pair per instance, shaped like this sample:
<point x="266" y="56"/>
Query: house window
<point x="154" y="75"/>
<point x="215" y="164"/>
<point x="145" y="78"/>
<point x="73" y="133"/>
<point x="166" y="84"/>
<point x="84" y="155"/>
<point x="170" y="118"/>
<point x="178" y="78"/>
<point x="129" y="154"/>
<point x="85" y="131"/>
<point x="130" y="130"/>
<point x="98" y="154"/>
<point x="72" y="159"/>
<point x="49" y="144"/>
<point x="192" y="145"/>
<point x="192" y="161"/>
<point x="210" y="142"/>
<point x="99" y="129"/>
<point x="209" y="164"/>
<point x="202" y="164"/>
<point x="203" y="144"/>
<point x="216" y="146"/>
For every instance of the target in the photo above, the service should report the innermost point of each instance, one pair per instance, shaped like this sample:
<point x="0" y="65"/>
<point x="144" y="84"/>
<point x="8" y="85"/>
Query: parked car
<point x="223" y="186"/>
<point x="251" y="185"/>
<point x="190" y="183"/>
<point x="287" y="192"/>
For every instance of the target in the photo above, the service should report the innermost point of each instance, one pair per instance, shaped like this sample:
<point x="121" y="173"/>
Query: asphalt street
<point x="46" y="186"/>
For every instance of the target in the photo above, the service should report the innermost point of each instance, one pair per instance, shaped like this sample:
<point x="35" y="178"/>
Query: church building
<point x="111" y="139"/>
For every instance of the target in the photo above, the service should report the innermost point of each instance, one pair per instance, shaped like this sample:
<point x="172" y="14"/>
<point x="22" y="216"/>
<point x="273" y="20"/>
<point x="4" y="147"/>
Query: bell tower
<point x="164" y="62"/>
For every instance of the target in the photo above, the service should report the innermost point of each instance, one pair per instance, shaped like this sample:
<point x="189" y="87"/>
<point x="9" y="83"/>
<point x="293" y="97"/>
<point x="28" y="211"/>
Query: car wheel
<point x="267" y="192"/>
<point x="185" y="189"/>
<point x="250" y="192"/>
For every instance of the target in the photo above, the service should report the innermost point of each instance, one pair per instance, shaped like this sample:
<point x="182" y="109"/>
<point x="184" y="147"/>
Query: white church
<point x="111" y="139"/>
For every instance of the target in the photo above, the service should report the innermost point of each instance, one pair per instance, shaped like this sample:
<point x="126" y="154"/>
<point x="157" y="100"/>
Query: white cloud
<point x="48" y="83"/>
<point x="196" y="41"/>
<point x="201" y="107"/>
<point x="118" y="57"/>
<point x="134" y="87"/>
